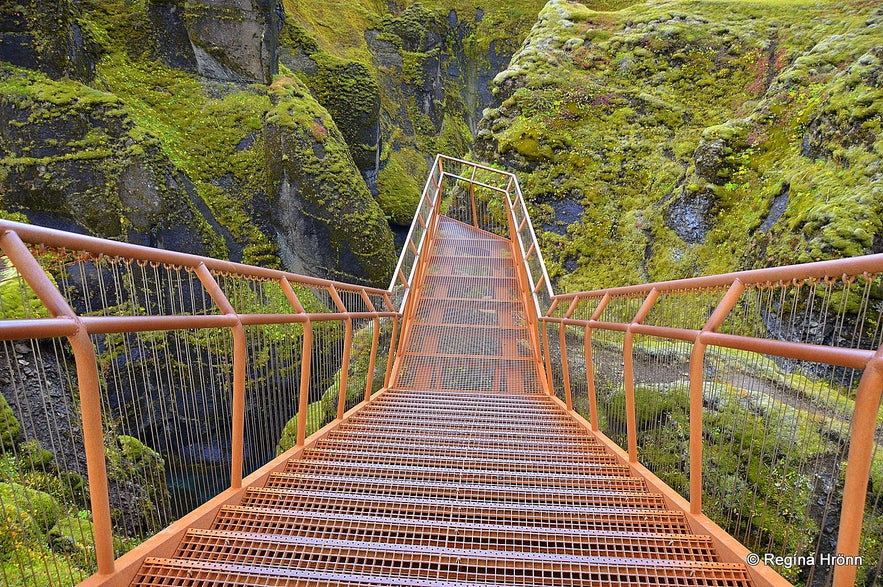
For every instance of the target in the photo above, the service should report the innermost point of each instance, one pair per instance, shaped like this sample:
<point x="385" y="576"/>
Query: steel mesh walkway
<point x="463" y="473"/>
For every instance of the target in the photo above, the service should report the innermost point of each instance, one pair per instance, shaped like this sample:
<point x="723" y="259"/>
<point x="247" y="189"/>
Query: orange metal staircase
<point x="507" y="439"/>
<point x="464" y="472"/>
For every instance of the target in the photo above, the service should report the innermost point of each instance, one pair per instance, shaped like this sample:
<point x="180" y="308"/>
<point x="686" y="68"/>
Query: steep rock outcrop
<point x="34" y="386"/>
<point x="47" y="36"/>
<point x="703" y="138"/>
<point x="326" y="221"/>
<point x="235" y="40"/>
<point x="71" y="158"/>
<point x="169" y="34"/>
<point x="350" y="93"/>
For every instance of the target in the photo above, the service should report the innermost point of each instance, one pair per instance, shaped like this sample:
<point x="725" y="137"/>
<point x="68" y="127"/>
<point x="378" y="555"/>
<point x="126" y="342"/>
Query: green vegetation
<point x="324" y="410"/>
<point x="45" y="531"/>
<point x="315" y="165"/>
<point x="758" y="450"/>
<point x="675" y="126"/>
<point x="10" y="427"/>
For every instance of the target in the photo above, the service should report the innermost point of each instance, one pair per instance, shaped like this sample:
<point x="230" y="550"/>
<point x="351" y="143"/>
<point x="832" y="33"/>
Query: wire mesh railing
<point x="754" y="395"/>
<point x="138" y="385"/>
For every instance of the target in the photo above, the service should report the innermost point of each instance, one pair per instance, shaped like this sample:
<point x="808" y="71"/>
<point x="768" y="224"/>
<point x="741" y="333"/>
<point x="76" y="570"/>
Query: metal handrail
<point x="19" y="242"/>
<point x="429" y="200"/>
<point x="868" y="395"/>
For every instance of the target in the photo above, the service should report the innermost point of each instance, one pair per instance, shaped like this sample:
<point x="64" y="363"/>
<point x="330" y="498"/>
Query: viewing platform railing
<point x="208" y="361"/>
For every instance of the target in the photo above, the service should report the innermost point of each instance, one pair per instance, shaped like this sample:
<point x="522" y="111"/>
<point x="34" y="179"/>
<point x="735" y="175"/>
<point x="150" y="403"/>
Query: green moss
<point x="54" y="569"/>
<point x="202" y="135"/>
<point x="42" y="508"/>
<point x="131" y="461"/>
<point x="324" y="411"/>
<point x="17" y="526"/>
<point x="316" y="418"/>
<point x="351" y="94"/>
<point x="10" y="427"/>
<point x="74" y="536"/>
<point x="611" y="119"/>
<point x="399" y="192"/>
<point x="331" y="192"/>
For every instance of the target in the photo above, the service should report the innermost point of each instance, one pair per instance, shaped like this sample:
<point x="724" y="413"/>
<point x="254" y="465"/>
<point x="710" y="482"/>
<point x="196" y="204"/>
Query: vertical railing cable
<point x="90" y="397"/>
<point x="239" y="358"/>
<point x="697" y="367"/>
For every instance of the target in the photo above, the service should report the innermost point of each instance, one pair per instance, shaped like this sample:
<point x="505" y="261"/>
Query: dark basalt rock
<point x="169" y="33"/>
<point x="74" y="163"/>
<point x="234" y="40"/>
<point x="689" y="214"/>
<point x="326" y="221"/>
<point x="46" y="36"/>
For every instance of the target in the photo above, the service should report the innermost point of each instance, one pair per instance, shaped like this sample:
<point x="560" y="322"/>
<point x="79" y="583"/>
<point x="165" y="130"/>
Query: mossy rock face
<point x="10" y="427"/>
<point x="327" y="223"/>
<point x="351" y="94"/>
<point x="72" y="158"/>
<point x="169" y="34"/>
<point x="48" y="36"/>
<point x="139" y="494"/>
<point x="234" y="40"/>
<point x="75" y="537"/>
<point x="698" y="138"/>
<point x="41" y="507"/>
<point x="399" y="190"/>
<point x="16" y="527"/>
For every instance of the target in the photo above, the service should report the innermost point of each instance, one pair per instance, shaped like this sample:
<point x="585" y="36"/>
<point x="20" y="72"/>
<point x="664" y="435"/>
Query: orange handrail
<point x="868" y="400"/>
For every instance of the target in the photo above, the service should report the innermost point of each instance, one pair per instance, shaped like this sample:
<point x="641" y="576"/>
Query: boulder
<point x="326" y="222"/>
<point x="235" y="40"/>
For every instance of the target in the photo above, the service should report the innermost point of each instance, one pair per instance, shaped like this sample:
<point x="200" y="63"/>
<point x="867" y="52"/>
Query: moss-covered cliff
<point x="123" y="113"/>
<point x="675" y="138"/>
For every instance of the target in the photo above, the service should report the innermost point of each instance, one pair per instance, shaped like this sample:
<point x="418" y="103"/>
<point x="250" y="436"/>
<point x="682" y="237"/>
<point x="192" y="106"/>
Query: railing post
<point x="237" y="440"/>
<point x="375" y="340"/>
<point x="392" y="342"/>
<point x="628" y="375"/>
<point x="306" y="356"/>
<point x="858" y="467"/>
<point x="90" y="395"/>
<point x="345" y="360"/>
<point x="590" y="363"/>
<point x="547" y="355"/>
<point x="562" y="344"/>
<point x="697" y="366"/>
<point x="472" y="197"/>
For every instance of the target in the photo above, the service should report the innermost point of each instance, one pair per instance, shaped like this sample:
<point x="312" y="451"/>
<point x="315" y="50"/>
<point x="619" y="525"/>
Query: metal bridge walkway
<point x="463" y="472"/>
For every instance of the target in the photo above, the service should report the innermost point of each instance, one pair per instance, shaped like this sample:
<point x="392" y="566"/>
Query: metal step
<point x="441" y="552"/>
<point x="399" y="439"/>
<point x="289" y="491"/>
<point x="468" y="459"/>
<point x="492" y="482"/>
<point x="392" y="570"/>
<point x="391" y="512"/>
<point x="353" y="445"/>
<point x="501" y="431"/>
<point x="463" y="535"/>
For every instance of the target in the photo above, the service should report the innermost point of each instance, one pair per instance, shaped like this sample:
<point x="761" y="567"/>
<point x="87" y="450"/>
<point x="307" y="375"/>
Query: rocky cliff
<point x="672" y="139"/>
<point x="157" y="122"/>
